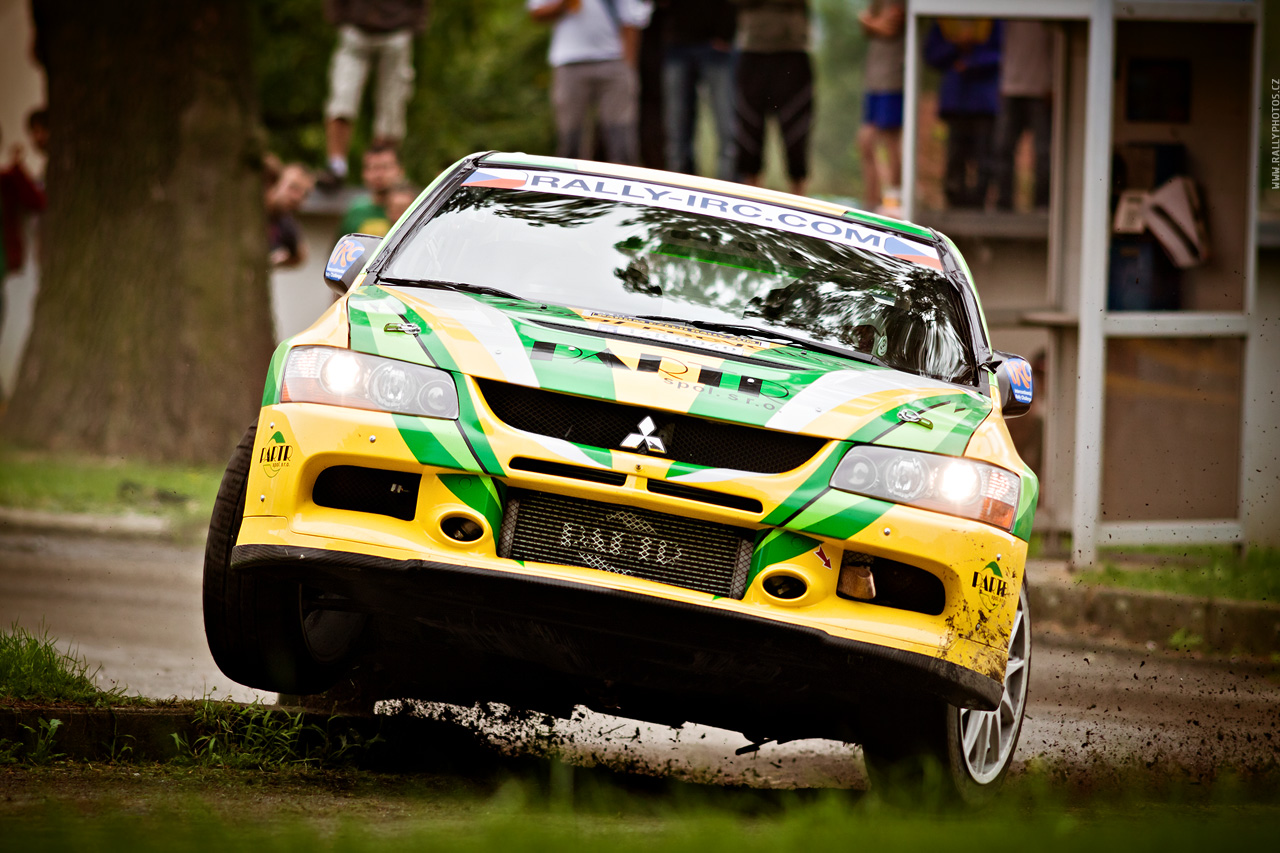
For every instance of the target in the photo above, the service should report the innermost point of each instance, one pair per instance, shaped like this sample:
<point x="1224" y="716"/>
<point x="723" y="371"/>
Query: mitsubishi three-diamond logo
<point x="645" y="436"/>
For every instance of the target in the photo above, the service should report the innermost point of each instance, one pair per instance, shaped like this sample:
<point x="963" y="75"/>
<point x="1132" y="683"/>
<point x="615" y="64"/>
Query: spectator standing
<point x="1026" y="89"/>
<point x="774" y="77"/>
<point x="368" y="31"/>
<point x="283" y="198"/>
<point x="595" y="47"/>
<point x="883" y="25"/>
<point x="400" y="199"/>
<point x="367" y="214"/>
<point x="698" y="38"/>
<point x="967" y="52"/>
<point x="20" y="196"/>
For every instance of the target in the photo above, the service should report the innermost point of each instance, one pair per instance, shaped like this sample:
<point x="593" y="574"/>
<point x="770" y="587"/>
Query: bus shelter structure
<point x="1160" y="412"/>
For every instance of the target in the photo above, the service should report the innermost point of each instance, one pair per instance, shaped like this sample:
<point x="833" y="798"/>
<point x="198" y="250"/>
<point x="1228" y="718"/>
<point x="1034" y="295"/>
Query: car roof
<point x="709" y="185"/>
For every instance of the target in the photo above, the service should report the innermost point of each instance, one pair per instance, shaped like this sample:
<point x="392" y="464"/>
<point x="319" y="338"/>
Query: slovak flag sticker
<point x="503" y="180"/>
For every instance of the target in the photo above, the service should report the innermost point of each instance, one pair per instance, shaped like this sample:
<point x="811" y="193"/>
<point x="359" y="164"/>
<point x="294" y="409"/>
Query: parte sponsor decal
<point x="992" y="588"/>
<point x="711" y="204"/>
<point x="275" y="455"/>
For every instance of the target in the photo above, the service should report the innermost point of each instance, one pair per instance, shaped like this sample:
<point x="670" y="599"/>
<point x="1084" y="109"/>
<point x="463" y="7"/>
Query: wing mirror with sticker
<point x="1013" y="374"/>
<point x="347" y="259"/>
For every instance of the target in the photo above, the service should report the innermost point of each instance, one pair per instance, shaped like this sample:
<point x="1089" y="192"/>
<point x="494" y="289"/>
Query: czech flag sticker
<point x="502" y="179"/>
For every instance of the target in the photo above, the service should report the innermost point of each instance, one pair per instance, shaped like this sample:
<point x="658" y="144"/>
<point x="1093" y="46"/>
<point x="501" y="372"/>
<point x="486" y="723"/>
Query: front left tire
<point x="265" y="632"/>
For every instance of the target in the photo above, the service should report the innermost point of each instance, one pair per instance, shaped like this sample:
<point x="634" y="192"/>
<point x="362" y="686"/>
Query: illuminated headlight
<point x="944" y="483"/>
<point x="357" y="380"/>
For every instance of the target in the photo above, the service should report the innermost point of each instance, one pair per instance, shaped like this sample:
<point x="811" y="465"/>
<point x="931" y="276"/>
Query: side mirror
<point x="347" y="259"/>
<point x="1013" y="374"/>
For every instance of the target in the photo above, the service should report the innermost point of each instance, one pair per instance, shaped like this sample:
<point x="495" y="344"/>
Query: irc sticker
<point x="346" y="253"/>
<point x="1020" y="382"/>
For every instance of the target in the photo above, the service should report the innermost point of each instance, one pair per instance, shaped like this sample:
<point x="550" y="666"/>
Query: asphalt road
<point x="133" y="608"/>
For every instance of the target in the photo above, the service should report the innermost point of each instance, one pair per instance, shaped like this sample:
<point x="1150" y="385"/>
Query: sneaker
<point x="328" y="181"/>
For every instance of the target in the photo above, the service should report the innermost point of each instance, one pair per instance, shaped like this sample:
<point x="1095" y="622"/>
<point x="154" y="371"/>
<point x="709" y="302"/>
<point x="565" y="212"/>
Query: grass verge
<point x="1203" y="572"/>
<point x="164" y="809"/>
<point x="34" y="670"/>
<point x="64" y="482"/>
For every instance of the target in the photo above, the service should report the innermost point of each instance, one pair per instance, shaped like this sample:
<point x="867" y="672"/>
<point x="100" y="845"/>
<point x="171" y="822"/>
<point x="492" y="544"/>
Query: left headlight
<point x="357" y="380"/>
<point x="947" y="484"/>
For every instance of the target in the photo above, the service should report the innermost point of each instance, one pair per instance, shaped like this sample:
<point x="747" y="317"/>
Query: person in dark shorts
<point x="775" y="77"/>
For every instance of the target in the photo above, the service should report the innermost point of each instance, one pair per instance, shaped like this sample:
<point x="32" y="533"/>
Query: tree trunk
<point x="152" y="329"/>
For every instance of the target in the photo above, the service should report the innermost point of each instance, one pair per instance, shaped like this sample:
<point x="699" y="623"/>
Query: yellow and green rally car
<point x="665" y="447"/>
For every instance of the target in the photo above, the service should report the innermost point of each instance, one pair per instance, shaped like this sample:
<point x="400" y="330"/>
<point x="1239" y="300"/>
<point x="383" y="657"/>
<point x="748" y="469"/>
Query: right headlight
<point x="949" y="484"/>
<point x="357" y="380"/>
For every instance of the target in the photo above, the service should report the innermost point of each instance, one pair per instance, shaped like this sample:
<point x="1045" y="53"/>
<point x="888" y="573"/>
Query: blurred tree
<point x="152" y="328"/>
<point x="481" y="83"/>
<point x="840" y="50"/>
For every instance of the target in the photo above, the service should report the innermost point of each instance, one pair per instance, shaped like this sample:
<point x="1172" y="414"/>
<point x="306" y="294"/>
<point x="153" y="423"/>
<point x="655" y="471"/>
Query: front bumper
<point x="646" y="648"/>
<point x="600" y="627"/>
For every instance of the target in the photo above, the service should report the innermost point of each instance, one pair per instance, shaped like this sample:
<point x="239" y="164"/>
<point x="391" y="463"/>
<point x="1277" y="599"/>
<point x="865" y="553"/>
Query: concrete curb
<point x="1214" y="625"/>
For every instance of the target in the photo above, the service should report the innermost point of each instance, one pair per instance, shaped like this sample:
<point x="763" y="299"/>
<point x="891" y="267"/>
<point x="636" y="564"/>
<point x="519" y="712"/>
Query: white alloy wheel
<point x="988" y="738"/>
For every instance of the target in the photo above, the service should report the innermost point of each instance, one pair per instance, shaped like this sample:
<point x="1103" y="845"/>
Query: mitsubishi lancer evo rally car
<point x="668" y="448"/>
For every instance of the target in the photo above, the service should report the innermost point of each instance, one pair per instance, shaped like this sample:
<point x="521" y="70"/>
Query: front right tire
<point x="957" y="753"/>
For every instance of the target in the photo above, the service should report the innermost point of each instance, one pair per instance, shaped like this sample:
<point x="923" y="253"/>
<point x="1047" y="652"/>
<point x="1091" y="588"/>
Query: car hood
<point x="664" y="366"/>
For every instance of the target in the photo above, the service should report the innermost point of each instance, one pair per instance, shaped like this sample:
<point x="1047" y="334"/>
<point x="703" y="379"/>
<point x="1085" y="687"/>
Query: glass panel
<point x="1180" y="166"/>
<point x="1171" y="442"/>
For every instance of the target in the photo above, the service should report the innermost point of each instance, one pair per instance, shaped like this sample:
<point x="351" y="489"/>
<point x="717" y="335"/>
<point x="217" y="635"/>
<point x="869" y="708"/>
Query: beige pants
<point x="356" y="50"/>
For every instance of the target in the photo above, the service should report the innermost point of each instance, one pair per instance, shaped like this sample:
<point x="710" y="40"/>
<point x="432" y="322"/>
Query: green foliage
<point x="255" y="737"/>
<point x="482" y="83"/>
<point x="839" y="55"/>
<point x="1185" y="641"/>
<point x="1209" y="573"/>
<point x="42" y="751"/>
<point x="33" y="669"/>
<point x="831" y="821"/>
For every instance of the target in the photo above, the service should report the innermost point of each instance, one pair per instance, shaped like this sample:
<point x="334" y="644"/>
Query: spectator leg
<point x="679" y="106"/>
<point x="348" y="71"/>
<point x="717" y="70"/>
<point x="395" y="87"/>
<point x="619" y="108"/>
<point x="570" y="100"/>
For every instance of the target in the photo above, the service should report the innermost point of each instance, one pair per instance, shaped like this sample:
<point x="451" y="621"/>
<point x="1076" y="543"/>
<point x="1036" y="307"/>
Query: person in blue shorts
<point x="881" y="130"/>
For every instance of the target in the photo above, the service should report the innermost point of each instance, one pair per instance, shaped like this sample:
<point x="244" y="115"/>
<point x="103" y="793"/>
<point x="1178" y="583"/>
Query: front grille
<point x="392" y="493"/>
<point x="684" y="552"/>
<point x="573" y="472"/>
<point x="706" y="496"/>
<point x="600" y="423"/>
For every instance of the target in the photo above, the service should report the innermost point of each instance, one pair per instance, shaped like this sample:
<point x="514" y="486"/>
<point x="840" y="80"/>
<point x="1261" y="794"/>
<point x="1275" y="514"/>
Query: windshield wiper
<point x="454" y="286"/>
<point x="747" y="331"/>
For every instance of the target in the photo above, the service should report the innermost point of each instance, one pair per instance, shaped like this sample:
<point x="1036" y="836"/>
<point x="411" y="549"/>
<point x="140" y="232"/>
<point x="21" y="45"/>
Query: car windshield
<point x="638" y="259"/>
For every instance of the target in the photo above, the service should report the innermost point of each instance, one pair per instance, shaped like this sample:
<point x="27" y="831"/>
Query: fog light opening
<point x="856" y="581"/>
<point x="786" y="587"/>
<point x="459" y="528"/>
